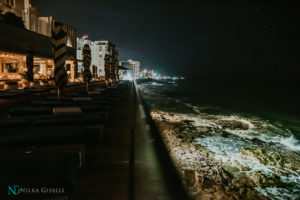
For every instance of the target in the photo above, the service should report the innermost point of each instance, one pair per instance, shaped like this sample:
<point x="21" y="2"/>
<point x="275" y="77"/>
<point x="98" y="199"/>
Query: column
<point x="72" y="75"/>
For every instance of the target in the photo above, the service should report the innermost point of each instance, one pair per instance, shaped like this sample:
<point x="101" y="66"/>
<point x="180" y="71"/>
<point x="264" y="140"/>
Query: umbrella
<point x="107" y="69"/>
<point x="94" y="71"/>
<point x="29" y="64"/>
<point x="113" y="72"/>
<point x="75" y="69"/>
<point x="59" y="50"/>
<point x="86" y="52"/>
<point x="122" y="68"/>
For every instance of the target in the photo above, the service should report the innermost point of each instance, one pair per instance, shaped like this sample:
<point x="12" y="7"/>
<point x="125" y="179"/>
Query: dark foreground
<point x="96" y="146"/>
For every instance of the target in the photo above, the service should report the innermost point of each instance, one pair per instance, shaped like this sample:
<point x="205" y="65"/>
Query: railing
<point x="132" y="142"/>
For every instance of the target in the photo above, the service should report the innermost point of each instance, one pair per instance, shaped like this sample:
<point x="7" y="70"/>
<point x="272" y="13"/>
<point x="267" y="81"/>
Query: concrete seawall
<point x="152" y="154"/>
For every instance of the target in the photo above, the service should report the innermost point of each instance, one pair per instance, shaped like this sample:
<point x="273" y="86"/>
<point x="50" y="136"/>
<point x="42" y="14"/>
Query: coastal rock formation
<point x="204" y="177"/>
<point x="233" y="125"/>
<point x="272" y="157"/>
<point x="225" y="153"/>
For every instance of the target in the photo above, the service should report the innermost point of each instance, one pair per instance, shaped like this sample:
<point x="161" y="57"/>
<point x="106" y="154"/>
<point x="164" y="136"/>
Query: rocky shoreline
<point x="208" y="178"/>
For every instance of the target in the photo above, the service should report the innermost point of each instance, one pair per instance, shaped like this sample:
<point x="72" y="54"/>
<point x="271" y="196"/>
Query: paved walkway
<point x="108" y="174"/>
<point x="155" y="176"/>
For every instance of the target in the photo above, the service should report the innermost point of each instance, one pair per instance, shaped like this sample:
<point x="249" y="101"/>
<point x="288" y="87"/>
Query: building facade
<point x="105" y="56"/>
<point x="97" y="59"/>
<point x="14" y="41"/>
<point x="23" y="9"/>
<point x="71" y="43"/>
<point x="109" y="58"/>
<point x="133" y="66"/>
<point x="45" y="25"/>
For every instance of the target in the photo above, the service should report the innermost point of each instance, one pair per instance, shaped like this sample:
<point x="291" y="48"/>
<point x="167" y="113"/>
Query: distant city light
<point x="127" y="77"/>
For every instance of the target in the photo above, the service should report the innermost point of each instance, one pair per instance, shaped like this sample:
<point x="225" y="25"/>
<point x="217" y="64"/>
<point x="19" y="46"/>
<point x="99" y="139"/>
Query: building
<point x="97" y="59"/>
<point x="43" y="26"/>
<point x="14" y="42"/>
<point x="133" y="66"/>
<point x="109" y="58"/>
<point x="23" y="9"/>
<point x="32" y="21"/>
<point x="146" y="73"/>
<point x="105" y="56"/>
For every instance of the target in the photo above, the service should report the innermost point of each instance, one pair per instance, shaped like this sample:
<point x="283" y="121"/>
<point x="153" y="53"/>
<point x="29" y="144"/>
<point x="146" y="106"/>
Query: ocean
<point x="243" y="125"/>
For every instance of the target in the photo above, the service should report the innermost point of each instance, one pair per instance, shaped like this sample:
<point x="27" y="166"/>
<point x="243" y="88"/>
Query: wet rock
<point x="187" y="121"/>
<point x="180" y="136"/>
<point x="233" y="125"/>
<point x="257" y="141"/>
<point x="204" y="177"/>
<point x="225" y="134"/>
<point x="270" y="157"/>
<point x="185" y="131"/>
<point x="190" y="177"/>
<point x="241" y="166"/>
<point x="242" y="191"/>
<point x="231" y="170"/>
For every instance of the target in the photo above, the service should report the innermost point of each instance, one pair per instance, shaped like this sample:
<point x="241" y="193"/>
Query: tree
<point x="12" y="19"/>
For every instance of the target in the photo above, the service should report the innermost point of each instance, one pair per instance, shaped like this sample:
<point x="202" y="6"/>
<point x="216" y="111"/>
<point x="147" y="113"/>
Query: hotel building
<point x="15" y="40"/>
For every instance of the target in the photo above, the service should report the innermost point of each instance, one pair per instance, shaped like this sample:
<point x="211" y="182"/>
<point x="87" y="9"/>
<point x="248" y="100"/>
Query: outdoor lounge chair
<point x="91" y="123"/>
<point x="45" y="140"/>
<point x="35" y="111"/>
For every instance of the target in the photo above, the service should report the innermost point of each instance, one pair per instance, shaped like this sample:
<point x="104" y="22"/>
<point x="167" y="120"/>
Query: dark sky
<point x="183" y="37"/>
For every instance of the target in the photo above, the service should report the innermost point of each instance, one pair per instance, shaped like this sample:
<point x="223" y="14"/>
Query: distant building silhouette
<point x="132" y="65"/>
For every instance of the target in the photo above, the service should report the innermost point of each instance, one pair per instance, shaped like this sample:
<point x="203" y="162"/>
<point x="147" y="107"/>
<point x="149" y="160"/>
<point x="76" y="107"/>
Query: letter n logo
<point x="13" y="190"/>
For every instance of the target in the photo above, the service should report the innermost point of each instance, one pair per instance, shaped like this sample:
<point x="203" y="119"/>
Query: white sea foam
<point x="227" y="149"/>
<point x="277" y="193"/>
<point x="239" y="119"/>
<point x="291" y="143"/>
<point x="156" y="84"/>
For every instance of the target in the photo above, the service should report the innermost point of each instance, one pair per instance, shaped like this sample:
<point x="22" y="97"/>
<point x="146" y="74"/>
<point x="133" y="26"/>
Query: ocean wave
<point x="228" y="149"/>
<point x="156" y="84"/>
<point x="291" y="142"/>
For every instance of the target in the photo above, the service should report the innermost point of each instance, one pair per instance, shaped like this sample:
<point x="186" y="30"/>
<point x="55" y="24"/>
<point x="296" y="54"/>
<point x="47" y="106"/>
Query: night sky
<point x="185" y="37"/>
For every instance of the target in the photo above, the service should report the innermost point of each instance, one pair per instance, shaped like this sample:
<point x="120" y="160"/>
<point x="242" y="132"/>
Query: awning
<point x="123" y="68"/>
<point x="17" y="40"/>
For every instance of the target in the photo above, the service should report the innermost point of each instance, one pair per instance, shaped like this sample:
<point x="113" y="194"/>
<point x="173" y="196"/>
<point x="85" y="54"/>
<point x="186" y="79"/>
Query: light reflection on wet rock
<point x="222" y="157"/>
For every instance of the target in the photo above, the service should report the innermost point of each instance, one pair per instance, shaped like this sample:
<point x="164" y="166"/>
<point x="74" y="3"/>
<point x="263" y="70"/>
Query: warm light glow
<point x="85" y="36"/>
<point x="10" y="76"/>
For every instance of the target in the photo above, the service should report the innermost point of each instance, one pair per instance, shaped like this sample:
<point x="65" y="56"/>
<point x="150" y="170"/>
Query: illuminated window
<point x="36" y="69"/>
<point x="11" y="67"/>
<point x="68" y="66"/>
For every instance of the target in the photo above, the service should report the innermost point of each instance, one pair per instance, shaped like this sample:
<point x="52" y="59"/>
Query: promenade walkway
<point x="129" y="162"/>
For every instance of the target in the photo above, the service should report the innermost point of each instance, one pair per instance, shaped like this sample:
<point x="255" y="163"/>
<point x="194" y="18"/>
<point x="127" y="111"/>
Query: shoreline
<point x="202" y="176"/>
<point x="224" y="156"/>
